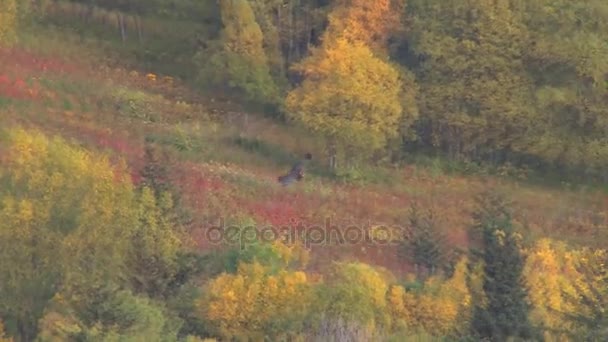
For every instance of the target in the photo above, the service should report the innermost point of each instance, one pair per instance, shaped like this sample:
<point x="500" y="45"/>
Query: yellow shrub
<point x="253" y="303"/>
<point x="441" y="308"/>
<point x="8" y="21"/>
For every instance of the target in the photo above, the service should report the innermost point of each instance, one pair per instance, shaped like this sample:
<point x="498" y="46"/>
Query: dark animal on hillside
<point x="296" y="173"/>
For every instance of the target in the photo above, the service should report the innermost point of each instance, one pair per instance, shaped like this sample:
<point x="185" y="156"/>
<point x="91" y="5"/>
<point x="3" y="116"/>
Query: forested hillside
<point x="456" y="190"/>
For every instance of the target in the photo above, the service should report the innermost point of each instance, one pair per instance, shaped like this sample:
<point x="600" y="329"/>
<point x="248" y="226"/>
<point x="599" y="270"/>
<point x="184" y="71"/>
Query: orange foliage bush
<point x="254" y="303"/>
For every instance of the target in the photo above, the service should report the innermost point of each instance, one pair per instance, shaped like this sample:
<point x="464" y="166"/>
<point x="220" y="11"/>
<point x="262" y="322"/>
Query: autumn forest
<point x="456" y="191"/>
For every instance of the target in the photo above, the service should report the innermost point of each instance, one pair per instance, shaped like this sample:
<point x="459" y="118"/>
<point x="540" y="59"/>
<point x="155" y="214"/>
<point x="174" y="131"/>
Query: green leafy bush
<point x="137" y="104"/>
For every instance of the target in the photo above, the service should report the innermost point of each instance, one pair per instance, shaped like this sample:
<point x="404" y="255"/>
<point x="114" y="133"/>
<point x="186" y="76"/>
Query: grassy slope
<point x="226" y="169"/>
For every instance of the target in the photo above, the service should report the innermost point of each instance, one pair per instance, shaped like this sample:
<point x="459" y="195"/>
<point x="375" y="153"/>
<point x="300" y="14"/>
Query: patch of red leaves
<point x="201" y="183"/>
<point x="19" y="58"/>
<point x="193" y="179"/>
<point x="17" y="89"/>
<point x="276" y="213"/>
<point x="120" y="145"/>
<point x="198" y="187"/>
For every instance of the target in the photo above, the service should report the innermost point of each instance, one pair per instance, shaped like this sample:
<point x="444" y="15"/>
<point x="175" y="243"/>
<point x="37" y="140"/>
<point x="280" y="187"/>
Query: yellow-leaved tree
<point x="351" y="93"/>
<point x="549" y="272"/>
<point x="71" y="223"/>
<point x="442" y="307"/>
<point x="65" y="218"/>
<point x="351" y="304"/>
<point x="370" y="22"/>
<point x="590" y="295"/>
<point x="563" y="289"/>
<point x="237" y="60"/>
<point x="348" y="95"/>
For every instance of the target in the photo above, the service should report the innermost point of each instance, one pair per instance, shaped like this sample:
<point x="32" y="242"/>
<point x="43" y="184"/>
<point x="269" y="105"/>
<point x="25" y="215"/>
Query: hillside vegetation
<point x="455" y="193"/>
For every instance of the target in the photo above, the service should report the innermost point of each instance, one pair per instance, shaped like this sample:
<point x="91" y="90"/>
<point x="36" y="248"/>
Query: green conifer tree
<point x="425" y="244"/>
<point x="505" y="314"/>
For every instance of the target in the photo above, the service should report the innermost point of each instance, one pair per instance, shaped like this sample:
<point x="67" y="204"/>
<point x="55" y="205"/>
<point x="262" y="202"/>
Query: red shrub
<point x="17" y="89"/>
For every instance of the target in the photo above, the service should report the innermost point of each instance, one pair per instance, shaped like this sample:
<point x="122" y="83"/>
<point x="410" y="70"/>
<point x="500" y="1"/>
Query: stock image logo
<point x="308" y="235"/>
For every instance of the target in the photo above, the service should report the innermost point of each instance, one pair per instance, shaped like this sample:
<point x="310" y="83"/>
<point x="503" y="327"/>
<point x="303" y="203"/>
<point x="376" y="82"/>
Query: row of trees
<point x="86" y="255"/>
<point x="483" y="80"/>
<point x="479" y="80"/>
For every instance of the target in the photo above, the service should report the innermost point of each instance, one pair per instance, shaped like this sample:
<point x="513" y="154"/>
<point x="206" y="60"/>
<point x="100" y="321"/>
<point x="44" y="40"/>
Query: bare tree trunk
<point x="295" y="29"/>
<point x="118" y="22"/>
<point x="281" y="34"/>
<point x="332" y="149"/>
<point x="139" y="29"/>
<point x="23" y="329"/>
<point x="89" y="13"/>
<point x="104" y="19"/>
<point x="81" y="12"/>
<point x="121" y="25"/>
<point x="308" y="28"/>
<point x="291" y="32"/>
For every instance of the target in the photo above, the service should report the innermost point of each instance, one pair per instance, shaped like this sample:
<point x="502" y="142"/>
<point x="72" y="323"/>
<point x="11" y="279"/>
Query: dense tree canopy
<point x="72" y="222"/>
<point x="523" y="82"/>
<point x="474" y="86"/>
<point x="238" y="60"/>
<point x="349" y="94"/>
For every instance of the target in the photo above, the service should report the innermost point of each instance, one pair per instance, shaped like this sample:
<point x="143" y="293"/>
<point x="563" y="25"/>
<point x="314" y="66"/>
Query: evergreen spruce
<point x="425" y="246"/>
<point x="505" y="314"/>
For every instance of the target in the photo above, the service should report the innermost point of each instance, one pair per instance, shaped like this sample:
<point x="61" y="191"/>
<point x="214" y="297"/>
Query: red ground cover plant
<point x="195" y="183"/>
<point x="278" y="213"/>
<point x="17" y="88"/>
<point x="17" y="58"/>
